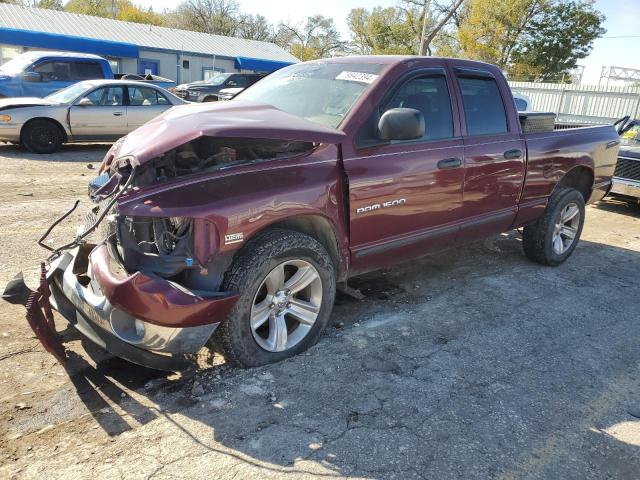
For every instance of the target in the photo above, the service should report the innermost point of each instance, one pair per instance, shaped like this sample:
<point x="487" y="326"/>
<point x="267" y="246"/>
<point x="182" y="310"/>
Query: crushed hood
<point x="18" y="102"/>
<point x="237" y="118"/>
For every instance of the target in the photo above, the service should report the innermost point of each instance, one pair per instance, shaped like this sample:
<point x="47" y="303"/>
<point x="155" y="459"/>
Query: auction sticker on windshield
<point x="361" y="77"/>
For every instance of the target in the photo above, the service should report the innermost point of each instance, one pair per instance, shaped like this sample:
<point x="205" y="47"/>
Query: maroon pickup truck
<point x="238" y="220"/>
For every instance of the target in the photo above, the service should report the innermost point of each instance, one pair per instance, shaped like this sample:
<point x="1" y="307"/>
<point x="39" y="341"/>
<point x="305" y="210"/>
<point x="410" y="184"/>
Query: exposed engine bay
<point x="209" y="154"/>
<point x="164" y="246"/>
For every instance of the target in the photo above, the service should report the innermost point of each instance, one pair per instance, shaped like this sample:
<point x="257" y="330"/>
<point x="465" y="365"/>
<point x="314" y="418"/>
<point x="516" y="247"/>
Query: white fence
<point x="581" y="103"/>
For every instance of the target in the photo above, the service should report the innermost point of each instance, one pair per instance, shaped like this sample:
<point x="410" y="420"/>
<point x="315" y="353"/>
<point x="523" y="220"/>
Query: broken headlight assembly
<point x="163" y="246"/>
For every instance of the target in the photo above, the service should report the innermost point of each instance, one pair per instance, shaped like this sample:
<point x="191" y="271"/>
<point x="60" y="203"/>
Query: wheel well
<point x="210" y="98"/>
<point x="320" y="229"/>
<point x="46" y="119"/>
<point x="580" y="178"/>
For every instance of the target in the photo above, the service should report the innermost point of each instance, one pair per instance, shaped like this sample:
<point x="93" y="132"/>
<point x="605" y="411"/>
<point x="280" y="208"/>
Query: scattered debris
<point x="22" y="406"/>
<point x="90" y="166"/>
<point x="45" y="429"/>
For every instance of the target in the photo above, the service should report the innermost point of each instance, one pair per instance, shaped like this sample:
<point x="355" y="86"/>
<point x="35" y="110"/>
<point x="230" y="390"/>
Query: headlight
<point x="5" y="118"/>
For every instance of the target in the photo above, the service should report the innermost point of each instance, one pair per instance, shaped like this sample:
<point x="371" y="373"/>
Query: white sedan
<point x="89" y="111"/>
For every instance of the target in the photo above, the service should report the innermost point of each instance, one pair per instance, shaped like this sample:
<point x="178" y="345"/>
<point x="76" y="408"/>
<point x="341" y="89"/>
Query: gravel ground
<point x="472" y="363"/>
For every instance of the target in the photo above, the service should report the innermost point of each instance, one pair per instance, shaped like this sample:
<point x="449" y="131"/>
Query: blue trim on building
<point x="54" y="41"/>
<point x="259" y="64"/>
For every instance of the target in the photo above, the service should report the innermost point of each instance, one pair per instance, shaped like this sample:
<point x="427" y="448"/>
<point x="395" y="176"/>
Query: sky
<point x="623" y="19"/>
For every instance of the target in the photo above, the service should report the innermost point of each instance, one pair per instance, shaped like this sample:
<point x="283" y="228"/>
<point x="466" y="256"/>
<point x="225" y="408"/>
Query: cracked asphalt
<point x="471" y="363"/>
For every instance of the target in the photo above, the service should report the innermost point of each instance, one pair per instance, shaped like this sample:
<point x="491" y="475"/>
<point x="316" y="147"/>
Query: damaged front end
<point x="137" y="286"/>
<point x="143" y="278"/>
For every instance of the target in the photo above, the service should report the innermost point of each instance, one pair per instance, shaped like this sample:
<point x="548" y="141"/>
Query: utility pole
<point x="425" y="23"/>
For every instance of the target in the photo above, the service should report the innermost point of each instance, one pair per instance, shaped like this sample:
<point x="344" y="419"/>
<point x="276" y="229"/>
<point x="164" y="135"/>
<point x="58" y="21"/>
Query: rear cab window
<point x="86" y="70"/>
<point x="483" y="106"/>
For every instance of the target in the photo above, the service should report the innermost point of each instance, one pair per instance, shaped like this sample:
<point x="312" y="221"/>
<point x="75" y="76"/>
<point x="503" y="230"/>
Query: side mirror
<point x="85" y="102"/>
<point x="231" y="83"/>
<point x="31" y="77"/>
<point x="401" y="124"/>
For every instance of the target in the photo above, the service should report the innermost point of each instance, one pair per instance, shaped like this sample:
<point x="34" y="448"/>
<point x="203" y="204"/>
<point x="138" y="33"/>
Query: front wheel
<point x="42" y="136"/>
<point x="287" y="286"/>
<point x="553" y="237"/>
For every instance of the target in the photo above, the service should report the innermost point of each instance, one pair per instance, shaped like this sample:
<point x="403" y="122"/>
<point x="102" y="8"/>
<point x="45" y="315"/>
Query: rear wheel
<point x="553" y="237"/>
<point x="42" y="136"/>
<point x="287" y="287"/>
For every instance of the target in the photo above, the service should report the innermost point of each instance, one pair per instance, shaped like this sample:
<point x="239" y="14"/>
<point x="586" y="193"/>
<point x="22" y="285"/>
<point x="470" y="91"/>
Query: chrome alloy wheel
<point x="286" y="305"/>
<point x="566" y="228"/>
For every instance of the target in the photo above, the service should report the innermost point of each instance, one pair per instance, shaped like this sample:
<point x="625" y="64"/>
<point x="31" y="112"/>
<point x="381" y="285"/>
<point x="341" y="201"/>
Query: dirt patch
<point x="472" y="363"/>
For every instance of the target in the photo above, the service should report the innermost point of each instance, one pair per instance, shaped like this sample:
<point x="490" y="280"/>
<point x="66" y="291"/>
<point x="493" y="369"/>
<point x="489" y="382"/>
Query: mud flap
<point x="40" y="318"/>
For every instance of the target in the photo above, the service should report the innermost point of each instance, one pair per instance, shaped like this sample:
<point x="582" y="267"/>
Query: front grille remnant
<point x="627" y="168"/>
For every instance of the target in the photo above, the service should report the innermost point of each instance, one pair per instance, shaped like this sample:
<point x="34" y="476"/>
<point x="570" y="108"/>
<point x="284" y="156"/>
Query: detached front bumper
<point x="144" y="319"/>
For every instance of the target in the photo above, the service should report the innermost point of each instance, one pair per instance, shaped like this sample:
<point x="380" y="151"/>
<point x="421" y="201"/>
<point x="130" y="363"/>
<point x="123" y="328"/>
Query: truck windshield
<point x="321" y="92"/>
<point x="69" y="94"/>
<point x="16" y="65"/>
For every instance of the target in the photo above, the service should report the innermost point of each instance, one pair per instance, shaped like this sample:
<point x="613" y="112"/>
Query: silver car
<point x="89" y="111"/>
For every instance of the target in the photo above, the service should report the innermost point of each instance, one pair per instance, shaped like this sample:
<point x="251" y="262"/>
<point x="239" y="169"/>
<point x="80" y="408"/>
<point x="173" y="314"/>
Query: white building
<point x="180" y="55"/>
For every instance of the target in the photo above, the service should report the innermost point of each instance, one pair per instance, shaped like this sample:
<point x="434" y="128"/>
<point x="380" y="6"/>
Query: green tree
<point x="220" y="17"/>
<point x="491" y="29"/>
<point x="532" y="39"/>
<point x="391" y="30"/>
<point x="49" y="4"/>
<point x="255" y="27"/>
<point x="120" y="10"/>
<point x="98" y="8"/>
<point x="318" y="37"/>
<point x="558" y="37"/>
<point x="399" y="30"/>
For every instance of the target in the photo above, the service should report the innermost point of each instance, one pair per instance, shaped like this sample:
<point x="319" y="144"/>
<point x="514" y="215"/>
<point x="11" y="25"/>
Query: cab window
<point x="484" y="111"/>
<point x="237" y="81"/>
<point x="107" y="97"/>
<point x="54" y="71"/>
<point x="429" y="94"/>
<point x="86" y="71"/>
<point x="144" y="96"/>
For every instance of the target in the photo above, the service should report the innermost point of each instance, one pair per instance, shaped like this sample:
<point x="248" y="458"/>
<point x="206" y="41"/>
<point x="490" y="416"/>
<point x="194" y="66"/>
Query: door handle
<point x="513" y="154"/>
<point x="449" y="163"/>
<point x="118" y="114"/>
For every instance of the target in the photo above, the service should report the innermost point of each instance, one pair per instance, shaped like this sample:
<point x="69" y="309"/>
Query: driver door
<point x="104" y="118"/>
<point x="406" y="196"/>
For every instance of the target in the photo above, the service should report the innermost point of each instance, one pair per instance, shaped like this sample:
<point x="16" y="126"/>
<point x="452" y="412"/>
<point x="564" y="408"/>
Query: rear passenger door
<point x="145" y="103"/>
<point x="494" y="153"/>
